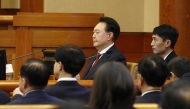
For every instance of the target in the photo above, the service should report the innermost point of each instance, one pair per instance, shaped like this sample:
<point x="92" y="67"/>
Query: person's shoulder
<point x="2" y="93"/>
<point x="56" y="100"/>
<point x="140" y="99"/>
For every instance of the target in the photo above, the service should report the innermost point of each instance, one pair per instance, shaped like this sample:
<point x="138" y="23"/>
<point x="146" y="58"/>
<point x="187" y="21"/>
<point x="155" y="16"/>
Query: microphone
<point x="27" y="55"/>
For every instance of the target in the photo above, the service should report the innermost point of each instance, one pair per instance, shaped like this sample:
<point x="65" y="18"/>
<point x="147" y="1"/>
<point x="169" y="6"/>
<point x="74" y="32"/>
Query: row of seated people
<point x="113" y="86"/>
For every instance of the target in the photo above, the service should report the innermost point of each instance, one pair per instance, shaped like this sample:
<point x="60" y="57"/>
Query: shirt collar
<point x="106" y="49"/>
<point x="167" y="55"/>
<point x="30" y="92"/>
<point x="150" y="91"/>
<point x="67" y="79"/>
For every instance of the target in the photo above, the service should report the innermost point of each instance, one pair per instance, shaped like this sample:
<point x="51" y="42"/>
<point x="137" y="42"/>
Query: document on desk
<point x="9" y="68"/>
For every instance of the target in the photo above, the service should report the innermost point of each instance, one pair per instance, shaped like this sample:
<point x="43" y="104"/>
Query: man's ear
<point x="110" y="35"/>
<point x="60" y="66"/>
<point x="173" y="76"/>
<point x="168" y="43"/>
<point x="140" y="79"/>
<point x="25" y="83"/>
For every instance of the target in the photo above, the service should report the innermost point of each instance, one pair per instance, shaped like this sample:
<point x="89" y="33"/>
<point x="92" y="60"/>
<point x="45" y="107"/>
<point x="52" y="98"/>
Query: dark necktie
<point x="96" y="60"/>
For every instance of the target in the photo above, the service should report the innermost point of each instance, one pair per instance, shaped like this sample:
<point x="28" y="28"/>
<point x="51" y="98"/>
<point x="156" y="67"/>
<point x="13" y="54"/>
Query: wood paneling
<point x="7" y="38"/>
<point x="32" y="6"/>
<point x="176" y="13"/>
<point x="79" y="38"/>
<point x="25" y="6"/>
<point x="44" y="21"/>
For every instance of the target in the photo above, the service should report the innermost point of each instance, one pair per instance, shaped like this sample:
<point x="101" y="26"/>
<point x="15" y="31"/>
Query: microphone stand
<point x="26" y="55"/>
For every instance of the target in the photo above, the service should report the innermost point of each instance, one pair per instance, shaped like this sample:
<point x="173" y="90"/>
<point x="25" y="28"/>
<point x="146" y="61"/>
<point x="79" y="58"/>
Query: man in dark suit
<point x="152" y="75"/>
<point x="163" y="41"/>
<point x="69" y="60"/>
<point x="34" y="75"/>
<point x="105" y="34"/>
<point x="179" y="68"/>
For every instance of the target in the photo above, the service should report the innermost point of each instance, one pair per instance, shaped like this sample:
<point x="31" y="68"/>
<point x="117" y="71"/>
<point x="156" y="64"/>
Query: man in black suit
<point x="34" y="75"/>
<point x="69" y="60"/>
<point x="152" y="75"/>
<point x="163" y="41"/>
<point x="105" y="34"/>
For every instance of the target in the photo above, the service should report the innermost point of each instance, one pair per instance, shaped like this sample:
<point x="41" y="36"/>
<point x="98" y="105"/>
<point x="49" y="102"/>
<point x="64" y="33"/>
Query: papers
<point x="9" y="68"/>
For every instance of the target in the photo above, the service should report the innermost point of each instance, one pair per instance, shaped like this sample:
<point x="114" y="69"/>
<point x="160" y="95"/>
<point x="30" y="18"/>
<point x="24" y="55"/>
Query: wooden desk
<point x="9" y="85"/>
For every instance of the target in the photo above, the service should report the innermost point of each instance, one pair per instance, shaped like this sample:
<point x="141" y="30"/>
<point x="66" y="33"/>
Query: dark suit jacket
<point x="151" y="97"/>
<point x="67" y="90"/>
<point x="4" y="97"/>
<point x="186" y="76"/>
<point x="170" y="56"/>
<point x="123" y="105"/>
<point x="37" y="97"/>
<point x="113" y="54"/>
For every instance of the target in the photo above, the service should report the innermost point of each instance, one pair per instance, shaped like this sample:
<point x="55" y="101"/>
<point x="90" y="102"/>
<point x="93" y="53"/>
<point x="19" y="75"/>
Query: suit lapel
<point x="103" y="59"/>
<point x="170" y="56"/>
<point x="91" y="60"/>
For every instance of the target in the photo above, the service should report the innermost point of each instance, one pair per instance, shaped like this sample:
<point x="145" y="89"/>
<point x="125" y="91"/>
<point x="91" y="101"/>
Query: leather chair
<point x="133" y="68"/>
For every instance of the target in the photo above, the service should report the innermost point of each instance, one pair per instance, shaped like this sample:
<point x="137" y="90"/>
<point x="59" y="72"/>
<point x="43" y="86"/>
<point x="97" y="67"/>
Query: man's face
<point x="100" y="36"/>
<point x="158" y="45"/>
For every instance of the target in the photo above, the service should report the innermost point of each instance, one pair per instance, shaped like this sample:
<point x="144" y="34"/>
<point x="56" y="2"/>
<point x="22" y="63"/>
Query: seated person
<point x="69" y="60"/>
<point x="5" y="98"/>
<point x="113" y="87"/>
<point x="152" y="75"/>
<point x="179" y="68"/>
<point x="164" y="39"/>
<point x="34" y="75"/>
<point x="176" y="95"/>
<point x="106" y="32"/>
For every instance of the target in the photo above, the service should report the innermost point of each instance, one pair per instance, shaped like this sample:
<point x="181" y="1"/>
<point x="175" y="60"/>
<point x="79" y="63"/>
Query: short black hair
<point x="176" y="95"/>
<point x="167" y="32"/>
<point x="36" y="72"/>
<point x="179" y="66"/>
<point x="153" y="69"/>
<point x="72" y="57"/>
<point x="111" y="26"/>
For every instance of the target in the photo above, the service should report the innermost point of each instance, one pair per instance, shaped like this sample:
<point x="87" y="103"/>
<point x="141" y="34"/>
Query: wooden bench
<point x="49" y="106"/>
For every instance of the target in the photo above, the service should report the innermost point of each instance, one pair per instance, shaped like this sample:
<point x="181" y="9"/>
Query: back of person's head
<point x="72" y="58"/>
<point x="35" y="72"/>
<point x="111" y="26"/>
<point x="179" y="66"/>
<point x="153" y="69"/>
<point x="176" y="95"/>
<point x="167" y="32"/>
<point x="113" y="84"/>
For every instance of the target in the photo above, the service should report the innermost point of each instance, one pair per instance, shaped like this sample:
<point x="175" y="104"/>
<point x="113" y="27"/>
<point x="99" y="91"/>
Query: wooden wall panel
<point x="23" y="46"/>
<point x="175" y="13"/>
<point x="7" y="38"/>
<point x="58" y="38"/>
<point x="129" y="42"/>
<point x="25" y="6"/>
<point x="32" y="6"/>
